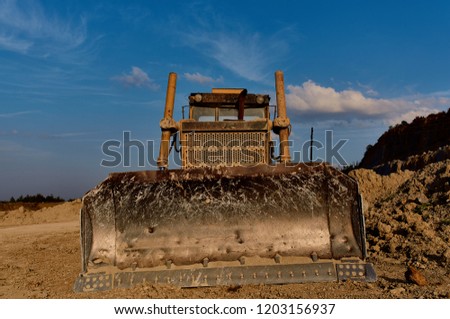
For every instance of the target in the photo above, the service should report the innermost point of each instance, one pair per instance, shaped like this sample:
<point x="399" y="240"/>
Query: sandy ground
<point x="40" y="258"/>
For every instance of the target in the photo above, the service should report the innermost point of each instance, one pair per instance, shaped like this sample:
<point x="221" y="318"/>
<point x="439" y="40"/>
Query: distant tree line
<point x="38" y="198"/>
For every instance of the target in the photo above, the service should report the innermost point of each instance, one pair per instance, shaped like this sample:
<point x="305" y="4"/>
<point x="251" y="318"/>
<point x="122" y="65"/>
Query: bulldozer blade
<point x="234" y="225"/>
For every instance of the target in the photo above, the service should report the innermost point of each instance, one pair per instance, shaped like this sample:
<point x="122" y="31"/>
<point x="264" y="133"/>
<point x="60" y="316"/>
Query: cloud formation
<point x="10" y="43"/>
<point x="202" y="79"/>
<point x="137" y="78"/>
<point x="247" y="53"/>
<point x="27" y="29"/>
<point x="243" y="55"/>
<point x="313" y="100"/>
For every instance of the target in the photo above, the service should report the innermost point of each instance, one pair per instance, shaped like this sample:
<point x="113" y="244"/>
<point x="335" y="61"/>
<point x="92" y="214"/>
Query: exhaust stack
<point x="282" y="124"/>
<point x="167" y="124"/>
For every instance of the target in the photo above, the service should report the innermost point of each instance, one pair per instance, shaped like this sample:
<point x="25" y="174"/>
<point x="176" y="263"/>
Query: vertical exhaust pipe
<point x="282" y="123"/>
<point x="167" y="124"/>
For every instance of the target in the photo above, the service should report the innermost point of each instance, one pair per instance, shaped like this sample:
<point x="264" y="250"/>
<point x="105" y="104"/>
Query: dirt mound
<point x="407" y="193"/>
<point x="374" y="186"/>
<point x="415" y="162"/>
<point x="24" y="215"/>
<point x="408" y="215"/>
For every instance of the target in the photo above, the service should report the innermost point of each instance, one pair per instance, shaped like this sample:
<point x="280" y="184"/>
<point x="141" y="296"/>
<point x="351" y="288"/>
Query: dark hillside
<point x="404" y="140"/>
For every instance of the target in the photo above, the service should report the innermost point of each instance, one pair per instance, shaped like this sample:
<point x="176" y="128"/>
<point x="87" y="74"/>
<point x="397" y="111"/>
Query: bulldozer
<point x="233" y="214"/>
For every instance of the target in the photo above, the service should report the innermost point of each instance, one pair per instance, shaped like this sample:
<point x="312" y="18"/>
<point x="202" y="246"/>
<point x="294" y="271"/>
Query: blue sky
<point x="74" y="74"/>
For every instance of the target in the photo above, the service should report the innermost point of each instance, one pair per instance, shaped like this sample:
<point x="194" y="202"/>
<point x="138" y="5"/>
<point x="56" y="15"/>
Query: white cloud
<point x="202" y="79"/>
<point x="246" y="53"/>
<point x="137" y="78"/>
<point x="25" y="27"/>
<point x="11" y="43"/>
<point x="243" y="55"/>
<point x="313" y="100"/>
<point x="409" y="116"/>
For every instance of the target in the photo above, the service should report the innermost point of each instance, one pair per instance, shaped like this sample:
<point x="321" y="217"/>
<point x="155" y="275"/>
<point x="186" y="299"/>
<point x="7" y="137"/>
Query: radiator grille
<point x="225" y="149"/>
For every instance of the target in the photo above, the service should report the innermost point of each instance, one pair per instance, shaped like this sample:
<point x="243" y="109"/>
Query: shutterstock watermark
<point x="130" y="152"/>
<point x="118" y="152"/>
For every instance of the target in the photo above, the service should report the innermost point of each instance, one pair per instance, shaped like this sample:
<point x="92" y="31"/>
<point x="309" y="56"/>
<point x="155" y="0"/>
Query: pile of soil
<point x="38" y="213"/>
<point x="408" y="214"/>
<point x="408" y="219"/>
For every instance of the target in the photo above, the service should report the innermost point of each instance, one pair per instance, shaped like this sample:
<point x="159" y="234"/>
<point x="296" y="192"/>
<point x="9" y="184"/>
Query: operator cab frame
<point x="221" y="105"/>
<point x="225" y="128"/>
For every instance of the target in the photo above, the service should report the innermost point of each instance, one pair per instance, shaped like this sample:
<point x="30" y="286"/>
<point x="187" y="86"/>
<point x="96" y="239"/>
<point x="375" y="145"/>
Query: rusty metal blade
<point x="148" y="219"/>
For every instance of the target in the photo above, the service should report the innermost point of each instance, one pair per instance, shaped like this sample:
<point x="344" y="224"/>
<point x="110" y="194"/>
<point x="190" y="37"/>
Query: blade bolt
<point x="205" y="262"/>
<point x="314" y="256"/>
<point x="168" y="263"/>
<point x="277" y="258"/>
<point x="242" y="260"/>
